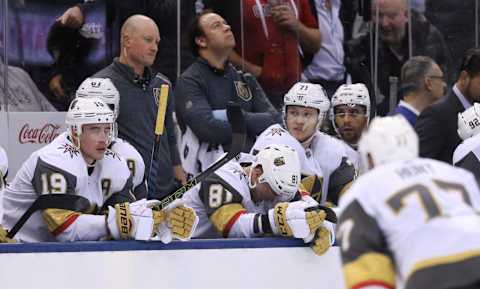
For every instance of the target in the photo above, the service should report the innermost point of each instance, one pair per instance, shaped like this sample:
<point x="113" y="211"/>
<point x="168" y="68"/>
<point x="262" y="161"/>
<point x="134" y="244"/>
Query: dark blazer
<point x="437" y="128"/>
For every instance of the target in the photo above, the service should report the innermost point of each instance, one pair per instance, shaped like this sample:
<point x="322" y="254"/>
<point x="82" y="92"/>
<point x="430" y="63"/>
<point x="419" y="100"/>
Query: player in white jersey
<point x="467" y="154"/>
<point x="408" y="222"/>
<point x="350" y="114"/>
<point x="258" y="200"/>
<point x="78" y="163"/>
<point x="104" y="89"/>
<point x="323" y="159"/>
<point x="3" y="169"/>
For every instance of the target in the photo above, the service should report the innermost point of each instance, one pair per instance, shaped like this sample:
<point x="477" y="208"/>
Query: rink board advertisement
<point x="27" y="132"/>
<point x="233" y="264"/>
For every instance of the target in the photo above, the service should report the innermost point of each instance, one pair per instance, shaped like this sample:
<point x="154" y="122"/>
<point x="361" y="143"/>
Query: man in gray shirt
<point x="138" y="85"/>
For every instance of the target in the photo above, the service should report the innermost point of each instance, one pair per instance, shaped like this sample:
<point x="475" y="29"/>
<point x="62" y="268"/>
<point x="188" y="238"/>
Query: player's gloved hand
<point x="131" y="220"/>
<point x="175" y="221"/>
<point x="3" y="236"/>
<point x="322" y="240"/>
<point x="291" y="219"/>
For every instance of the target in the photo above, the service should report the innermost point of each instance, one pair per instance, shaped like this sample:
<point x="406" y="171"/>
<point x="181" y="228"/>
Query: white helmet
<point x="88" y="111"/>
<point x="388" y="139"/>
<point x="281" y="170"/>
<point x="469" y="122"/>
<point x="350" y="94"/>
<point x="102" y="88"/>
<point x="307" y="95"/>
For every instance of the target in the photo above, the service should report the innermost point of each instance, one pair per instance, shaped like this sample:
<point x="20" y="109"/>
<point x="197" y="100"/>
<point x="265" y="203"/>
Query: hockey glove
<point x="179" y="221"/>
<point x="131" y="220"/>
<point x="291" y="219"/>
<point x="321" y="241"/>
<point x="3" y="236"/>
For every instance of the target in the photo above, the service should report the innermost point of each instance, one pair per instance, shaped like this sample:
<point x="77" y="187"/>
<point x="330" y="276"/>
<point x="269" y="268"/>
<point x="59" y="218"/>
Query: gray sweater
<point x="137" y="118"/>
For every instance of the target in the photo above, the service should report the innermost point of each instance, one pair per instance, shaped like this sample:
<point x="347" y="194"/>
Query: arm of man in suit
<point x="430" y="133"/>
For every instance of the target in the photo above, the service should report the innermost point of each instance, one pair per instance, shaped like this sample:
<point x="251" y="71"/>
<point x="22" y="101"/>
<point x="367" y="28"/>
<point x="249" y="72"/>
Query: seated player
<point x="104" y="89"/>
<point x="350" y="114"/>
<point x="78" y="163"/>
<point x="262" y="199"/>
<point x="408" y="222"/>
<point x="324" y="161"/>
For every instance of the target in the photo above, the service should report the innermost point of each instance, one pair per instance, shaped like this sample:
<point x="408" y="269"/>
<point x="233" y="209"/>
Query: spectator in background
<point x="205" y="88"/>
<point x="327" y="66"/>
<point x="22" y="93"/>
<point x="164" y="13"/>
<point x="137" y="84"/>
<point x="437" y="124"/>
<point x="422" y="83"/>
<point x="274" y="32"/>
<point x="393" y="47"/>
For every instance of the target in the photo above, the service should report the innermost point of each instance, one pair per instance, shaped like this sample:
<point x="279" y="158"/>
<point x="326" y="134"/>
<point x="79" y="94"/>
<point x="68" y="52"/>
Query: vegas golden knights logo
<point x="243" y="91"/>
<point x="280" y="161"/>
<point x="156" y="94"/>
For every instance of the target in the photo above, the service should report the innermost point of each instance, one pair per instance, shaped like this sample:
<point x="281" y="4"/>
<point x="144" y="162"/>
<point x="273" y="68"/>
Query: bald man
<point x="139" y="89"/>
<point x="394" y="47"/>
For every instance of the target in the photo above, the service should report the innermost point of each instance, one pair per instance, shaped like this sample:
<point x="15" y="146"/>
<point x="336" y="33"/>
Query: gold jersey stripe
<point x="222" y="216"/>
<point x="424" y="264"/>
<point x="55" y="218"/>
<point x="370" y="268"/>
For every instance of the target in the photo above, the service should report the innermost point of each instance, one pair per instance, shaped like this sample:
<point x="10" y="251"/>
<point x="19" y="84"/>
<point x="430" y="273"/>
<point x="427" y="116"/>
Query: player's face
<point x="350" y="121"/>
<point x="218" y="35"/>
<point x="143" y="44"/>
<point x="262" y="191"/>
<point x="94" y="141"/>
<point x="301" y="121"/>
<point x="472" y="91"/>
<point x="392" y="17"/>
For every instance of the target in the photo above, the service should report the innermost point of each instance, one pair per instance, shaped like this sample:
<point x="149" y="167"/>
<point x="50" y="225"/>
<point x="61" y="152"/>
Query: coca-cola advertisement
<point x="28" y="132"/>
<point x="39" y="135"/>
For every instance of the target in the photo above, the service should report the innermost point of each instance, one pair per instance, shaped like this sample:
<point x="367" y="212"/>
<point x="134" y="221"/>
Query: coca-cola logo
<point x="42" y="135"/>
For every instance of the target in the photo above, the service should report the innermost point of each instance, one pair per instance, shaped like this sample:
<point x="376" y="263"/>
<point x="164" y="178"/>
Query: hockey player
<point x="467" y="154"/>
<point x="78" y="163"/>
<point x="104" y="89"/>
<point x="259" y="200"/>
<point x="323" y="158"/>
<point x="408" y="222"/>
<point x="350" y="114"/>
<point x="3" y="169"/>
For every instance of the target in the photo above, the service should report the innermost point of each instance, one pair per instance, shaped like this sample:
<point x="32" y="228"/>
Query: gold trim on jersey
<point x="55" y="218"/>
<point x="313" y="184"/>
<point x="370" y="268"/>
<point x="432" y="262"/>
<point x="222" y="216"/>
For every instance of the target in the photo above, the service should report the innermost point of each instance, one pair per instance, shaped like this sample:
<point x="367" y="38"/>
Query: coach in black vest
<point x="437" y="125"/>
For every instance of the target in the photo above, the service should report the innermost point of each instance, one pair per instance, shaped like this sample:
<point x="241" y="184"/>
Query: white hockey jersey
<point x="135" y="164"/>
<point x="326" y="158"/>
<point x="210" y="195"/>
<point x="3" y="168"/>
<point x="59" y="168"/>
<point x="411" y="224"/>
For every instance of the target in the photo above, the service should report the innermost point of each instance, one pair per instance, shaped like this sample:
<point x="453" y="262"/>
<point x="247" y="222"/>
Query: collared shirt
<point x="327" y="63"/>
<point x="466" y="104"/>
<point x="409" y="106"/>
<point x="408" y="111"/>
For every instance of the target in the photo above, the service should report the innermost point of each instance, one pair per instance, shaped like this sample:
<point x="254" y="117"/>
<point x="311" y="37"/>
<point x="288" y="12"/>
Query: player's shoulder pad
<point x="50" y="179"/>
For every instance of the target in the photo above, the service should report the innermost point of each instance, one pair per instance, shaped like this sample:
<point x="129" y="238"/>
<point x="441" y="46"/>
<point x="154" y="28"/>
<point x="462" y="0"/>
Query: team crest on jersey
<point x="276" y="130"/>
<point x="243" y="91"/>
<point x="69" y="149"/>
<point x="280" y="161"/>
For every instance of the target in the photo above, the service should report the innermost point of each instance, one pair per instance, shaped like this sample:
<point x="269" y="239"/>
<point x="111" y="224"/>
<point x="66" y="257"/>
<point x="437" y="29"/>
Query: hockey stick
<point x="51" y="201"/>
<point x="159" y="126"/>
<point x="330" y="214"/>
<point x="239" y="134"/>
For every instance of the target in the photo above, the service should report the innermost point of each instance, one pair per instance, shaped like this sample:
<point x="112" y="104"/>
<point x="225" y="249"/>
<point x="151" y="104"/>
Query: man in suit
<point x="437" y="124"/>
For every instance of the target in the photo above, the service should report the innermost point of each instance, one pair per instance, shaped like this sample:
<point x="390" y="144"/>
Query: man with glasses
<point x="437" y="124"/>
<point x="422" y="83"/>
